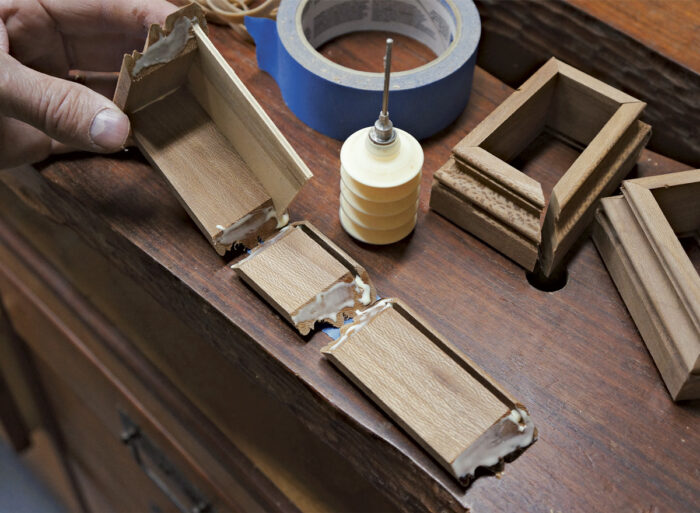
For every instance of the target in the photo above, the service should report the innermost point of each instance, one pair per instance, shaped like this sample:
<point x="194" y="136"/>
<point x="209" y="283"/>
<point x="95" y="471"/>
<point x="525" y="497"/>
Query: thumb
<point x="65" y="111"/>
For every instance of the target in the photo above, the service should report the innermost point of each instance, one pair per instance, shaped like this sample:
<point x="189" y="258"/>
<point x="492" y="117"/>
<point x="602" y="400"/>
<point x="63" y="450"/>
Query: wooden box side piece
<point x="306" y="278"/>
<point x="245" y="124"/>
<point x="654" y="275"/>
<point x="207" y="175"/>
<point x="674" y="192"/>
<point x="576" y="108"/>
<point x="450" y="406"/>
<point x="195" y="121"/>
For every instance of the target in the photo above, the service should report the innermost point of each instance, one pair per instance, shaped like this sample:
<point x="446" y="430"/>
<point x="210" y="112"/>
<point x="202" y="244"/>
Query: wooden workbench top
<point x="611" y="439"/>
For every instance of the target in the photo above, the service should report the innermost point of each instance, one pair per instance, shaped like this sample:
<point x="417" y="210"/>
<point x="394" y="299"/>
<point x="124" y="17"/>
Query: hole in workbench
<point x="364" y="51"/>
<point x="556" y="281"/>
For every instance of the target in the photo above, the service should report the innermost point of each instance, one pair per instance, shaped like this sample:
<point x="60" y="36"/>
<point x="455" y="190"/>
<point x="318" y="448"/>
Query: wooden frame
<point x="196" y="122"/>
<point x="479" y="191"/>
<point x="458" y="413"/>
<point x="307" y="278"/>
<point x="637" y="236"/>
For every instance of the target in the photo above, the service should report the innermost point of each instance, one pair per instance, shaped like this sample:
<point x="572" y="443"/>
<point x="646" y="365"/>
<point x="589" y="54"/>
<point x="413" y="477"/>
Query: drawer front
<point x="136" y="453"/>
<point x="109" y="476"/>
<point x="109" y="433"/>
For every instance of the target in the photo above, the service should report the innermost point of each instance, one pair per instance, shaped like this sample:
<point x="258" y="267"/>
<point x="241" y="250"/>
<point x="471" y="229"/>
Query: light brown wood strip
<point x="292" y="270"/>
<point x="241" y="118"/>
<point x="418" y="384"/>
<point x="208" y="175"/>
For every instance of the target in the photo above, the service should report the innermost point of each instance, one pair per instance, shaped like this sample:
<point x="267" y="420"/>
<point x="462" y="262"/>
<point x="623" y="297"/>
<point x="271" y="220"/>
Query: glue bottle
<point x="380" y="174"/>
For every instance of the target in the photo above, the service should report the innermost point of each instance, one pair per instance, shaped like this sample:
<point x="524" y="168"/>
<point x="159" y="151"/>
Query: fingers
<point x="87" y="34"/>
<point x="21" y="143"/>
<point x="4" y="38"/>
<point x="104" y="83"/>
<point x="99" y="32"/>
<point x="68" y="112"/>
<point x="126" y="17"/>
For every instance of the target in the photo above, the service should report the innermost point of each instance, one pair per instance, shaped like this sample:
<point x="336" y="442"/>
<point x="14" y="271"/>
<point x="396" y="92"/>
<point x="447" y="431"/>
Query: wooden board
<point x="643" y="47"/>
<point x="245" y="124"/>
<point x="196" y="122"/>
<point x="597" y="432"/>
<point x="578" y="109"/>
<point x="654" y="275"/>
<point x="208" y="176"/>
<point x="454" y="410"/>
<point x="307" y="278"/>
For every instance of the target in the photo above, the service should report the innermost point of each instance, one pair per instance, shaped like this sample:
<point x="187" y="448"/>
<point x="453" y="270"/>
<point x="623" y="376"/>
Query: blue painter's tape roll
<point x="338" y="101"/>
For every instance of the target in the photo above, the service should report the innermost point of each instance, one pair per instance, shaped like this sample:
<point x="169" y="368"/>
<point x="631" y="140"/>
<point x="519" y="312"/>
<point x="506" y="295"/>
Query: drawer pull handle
<point x="160" y="470"/>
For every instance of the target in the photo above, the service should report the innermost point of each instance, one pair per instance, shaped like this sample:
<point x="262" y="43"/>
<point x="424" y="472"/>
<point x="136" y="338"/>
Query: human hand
<point x="41" y="112"/>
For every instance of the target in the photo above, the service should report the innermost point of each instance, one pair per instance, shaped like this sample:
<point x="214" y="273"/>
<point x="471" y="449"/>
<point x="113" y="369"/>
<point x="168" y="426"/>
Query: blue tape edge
<point x="338" y="111"/>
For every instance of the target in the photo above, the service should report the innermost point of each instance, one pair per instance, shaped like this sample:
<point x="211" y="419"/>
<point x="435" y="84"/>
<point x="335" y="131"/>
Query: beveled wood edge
<point x="464" y="361"/>
<point x="689" y="176"/>
<point x="455" y="355"/>
<point x="285" y="158"/>
<point x="587" y="166"/>
<point x="341" y="256"/>
<point x="591" y="82"/>
<point x="611" y="242"/>
<point x="563" y="225"/>
<point x="512" y="104"/>
<point x="678" y="268"/>
<point x="520" y="187"/>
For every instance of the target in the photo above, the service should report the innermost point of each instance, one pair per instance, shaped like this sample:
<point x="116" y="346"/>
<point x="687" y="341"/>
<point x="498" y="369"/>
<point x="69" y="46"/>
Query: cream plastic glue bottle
<point x="380" y="173"/>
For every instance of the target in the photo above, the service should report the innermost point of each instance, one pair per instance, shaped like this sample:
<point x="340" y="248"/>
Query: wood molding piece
<point x="476" y="206"/>
<point x="576" y="108"/>
<point x="219" y="190"/>
<point x="517" y="40"/>
<point x="307" y="278"/>
<point x="653" y="273"/>
<point x="195" y="121"/>
<point x="571" y="211"/>
<point x="451" y="407"/>
<point x="242" y="120"/>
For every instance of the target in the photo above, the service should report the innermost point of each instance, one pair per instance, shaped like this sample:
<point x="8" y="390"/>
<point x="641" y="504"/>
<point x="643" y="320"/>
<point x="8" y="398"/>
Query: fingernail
<point x="109" y="129"/>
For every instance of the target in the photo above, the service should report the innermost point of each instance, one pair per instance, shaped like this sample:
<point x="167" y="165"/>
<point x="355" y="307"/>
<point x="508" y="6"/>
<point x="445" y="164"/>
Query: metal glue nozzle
<point x="383" y="130"/>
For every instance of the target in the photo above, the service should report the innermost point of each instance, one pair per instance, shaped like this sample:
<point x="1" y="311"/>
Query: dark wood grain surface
<point x="610" y="437"/>
<point x="670" y="27"/>
<point x="647" y="48"/>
